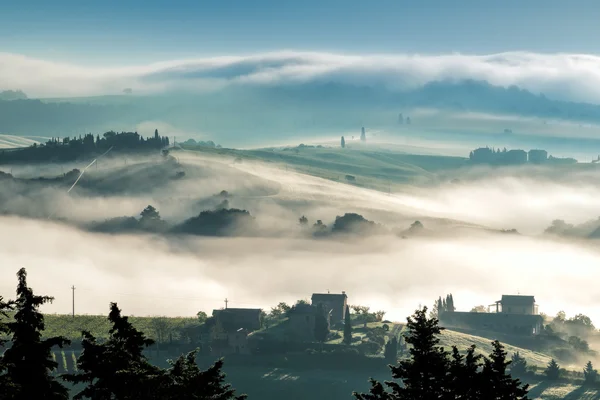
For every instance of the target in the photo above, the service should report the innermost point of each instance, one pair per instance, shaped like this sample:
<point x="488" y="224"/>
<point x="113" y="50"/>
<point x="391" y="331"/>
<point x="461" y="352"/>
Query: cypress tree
<point x="321" y="325"/>
<point x="347" y="327"/>
<point x="28" y="361"/>
<point x="343" y="142"/>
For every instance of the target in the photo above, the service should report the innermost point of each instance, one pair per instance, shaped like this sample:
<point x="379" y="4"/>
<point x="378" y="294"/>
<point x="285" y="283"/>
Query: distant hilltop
<point x="486" y="155"/>
<point x="13" y="95"/>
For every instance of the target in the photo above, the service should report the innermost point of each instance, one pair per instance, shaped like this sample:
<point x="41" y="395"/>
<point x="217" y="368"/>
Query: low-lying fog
<point x="167" y="276"/>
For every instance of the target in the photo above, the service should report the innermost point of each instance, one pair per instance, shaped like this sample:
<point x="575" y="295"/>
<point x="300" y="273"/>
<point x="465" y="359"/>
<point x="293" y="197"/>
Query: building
<point x="515" y="157"/>
<point x="232" y="319"/>
<point x="517" y="315"/>
<point x="332" y="303"/>
<point x="538" y="156"/>
<point x="301" y="324"/>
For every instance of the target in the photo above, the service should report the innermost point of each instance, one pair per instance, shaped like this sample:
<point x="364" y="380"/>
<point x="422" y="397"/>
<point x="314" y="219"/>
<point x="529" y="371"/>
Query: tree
<point x="450" y="303"/>
<point x="518" y="365"/>
<point x="589" y="373"/>
<point x="379" y="315"/>
<point x="479" y="309"/>
<point x="28" y="361"/>
<point x="117" y="367"/>
<point x="390" y="352"/>
<point x="464" y="381"/>
<point x="150" y="213"/>
<point x="6" y="386"/>
<point x="347" y="327"/>
<point x="497" y="383"/>
<point x="424" y="374"/>
<point x="202" y="317"/>
<point x="552" y="370"/>
<point x="343" y="142"/>
<point x="321" y="325"/>
<point x="161" y="328"/>
<point x="303" y="221"/>
<point x="186" y="381"/>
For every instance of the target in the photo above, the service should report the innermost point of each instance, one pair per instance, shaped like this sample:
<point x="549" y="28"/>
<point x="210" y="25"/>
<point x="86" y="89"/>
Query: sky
<point x="116" y="32"/>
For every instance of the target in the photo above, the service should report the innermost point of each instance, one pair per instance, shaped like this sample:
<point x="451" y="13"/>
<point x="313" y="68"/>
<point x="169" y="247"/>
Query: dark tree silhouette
<point x="186" y="381"/>
<point x="590" y="374"/>
<point x="28" y="361"/>
<point x="6" y="386"/>
<point x="552" y="371"/>
<point x="518" y="365"/>
<point x="347" y="327"/>
<point x="321" y="325"/>
<point x="116" y="368"/>
<point x="150" y="213"/>
<point x="303" y="221"/>
<point x="432" y="373"/>
<point x="390" y="352"/>
<point x="498" y="384"/>
<point x="343" y="142"/>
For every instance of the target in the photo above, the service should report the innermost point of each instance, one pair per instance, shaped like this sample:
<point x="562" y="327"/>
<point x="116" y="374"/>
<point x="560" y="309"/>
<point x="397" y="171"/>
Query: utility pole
<point x="73" y="289"/>
<point x="226" y="301"/>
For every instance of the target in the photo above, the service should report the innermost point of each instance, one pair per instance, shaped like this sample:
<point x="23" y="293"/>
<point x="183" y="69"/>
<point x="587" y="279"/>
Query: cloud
<point x="563" y="76"/>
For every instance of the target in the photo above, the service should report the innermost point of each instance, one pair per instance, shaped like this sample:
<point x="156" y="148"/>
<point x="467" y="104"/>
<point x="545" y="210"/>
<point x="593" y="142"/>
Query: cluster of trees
<point x="441" y="306"/>
<point x="221" y="221"/>
<point x="72" y="148"/>
<point x="112" y="369"/>
<point x="432" y="372"/>
<point x="486" y="155"/>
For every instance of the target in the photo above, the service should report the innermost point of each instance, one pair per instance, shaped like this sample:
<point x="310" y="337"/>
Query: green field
<point x="98" y="325"/>
<point x="371" y="166"/>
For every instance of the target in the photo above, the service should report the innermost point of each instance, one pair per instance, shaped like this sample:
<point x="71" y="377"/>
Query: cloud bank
<point x="574" y="77"/>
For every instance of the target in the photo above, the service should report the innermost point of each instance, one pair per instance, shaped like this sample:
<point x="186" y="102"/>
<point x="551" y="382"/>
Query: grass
<point x="98" y="325"/>
<point x="372" y="167"/>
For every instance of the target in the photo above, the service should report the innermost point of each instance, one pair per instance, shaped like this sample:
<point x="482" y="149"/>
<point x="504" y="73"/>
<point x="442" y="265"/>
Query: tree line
<point x="73" y="148"/>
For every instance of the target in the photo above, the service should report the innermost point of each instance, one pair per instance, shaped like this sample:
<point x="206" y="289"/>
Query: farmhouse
<point x="516" y="315"/>
<point x="232" y="319"/>
<point x="302" y="321"/>
<point x="332" y="303"/>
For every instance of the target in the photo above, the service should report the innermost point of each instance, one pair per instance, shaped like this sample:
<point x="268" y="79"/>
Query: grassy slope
<point x="98" y="325"/>
<point x="373" y="167"/>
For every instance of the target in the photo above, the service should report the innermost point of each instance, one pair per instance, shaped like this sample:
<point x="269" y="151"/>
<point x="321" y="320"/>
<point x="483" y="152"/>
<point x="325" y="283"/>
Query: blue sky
<point x="112" y="32"/>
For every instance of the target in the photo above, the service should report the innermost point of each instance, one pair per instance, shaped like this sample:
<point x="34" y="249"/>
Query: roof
<point x="328" y="296"/>
<point x="238" y="311"/>
<point x="517" y="299"/>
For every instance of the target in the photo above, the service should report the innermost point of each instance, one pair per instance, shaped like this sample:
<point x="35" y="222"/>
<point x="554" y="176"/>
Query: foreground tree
<point x="116" y="368"/>
<point x="498" y="384"/>
<point x="186" y="381"/>
<point x="28" y="362"/>
<point x="433" y="373"/>
<point x="6" y="386"/>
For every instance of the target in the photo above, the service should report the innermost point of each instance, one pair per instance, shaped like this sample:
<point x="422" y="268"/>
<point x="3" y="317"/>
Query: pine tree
<point x="116" y="368"/>
<point x="464" y="379"/>
<point x="552" y="370"/>
<point x="497" y="383"/>
<point x="186" y="381"/>
<point x="589" y="373"/>
<point x="424" y="374"/>
<point x="28" y="361"/>
<point x="347" y="327"/>
<point x="518" y="365"/>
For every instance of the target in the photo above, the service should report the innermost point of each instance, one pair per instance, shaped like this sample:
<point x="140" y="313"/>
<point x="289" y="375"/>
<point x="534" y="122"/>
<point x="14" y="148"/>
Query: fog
<point x="557" y="75"/>
<point x="154" y="275"/>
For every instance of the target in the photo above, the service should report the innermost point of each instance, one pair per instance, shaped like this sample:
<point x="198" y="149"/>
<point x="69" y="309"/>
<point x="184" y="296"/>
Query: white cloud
<point x="565" y="76"/>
